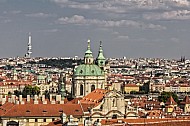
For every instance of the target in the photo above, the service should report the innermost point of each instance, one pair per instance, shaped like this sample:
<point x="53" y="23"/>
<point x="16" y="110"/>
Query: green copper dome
<point x="88" y="70"/>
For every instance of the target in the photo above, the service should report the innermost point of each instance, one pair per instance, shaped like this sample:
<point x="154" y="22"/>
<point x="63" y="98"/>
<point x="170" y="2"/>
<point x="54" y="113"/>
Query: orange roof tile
<point x="186" y="100"/>
<point x="32" y="110"/>
<point x="94" y="97"/>
<point x="131" y="85"/>
<point x="171" y="101"/>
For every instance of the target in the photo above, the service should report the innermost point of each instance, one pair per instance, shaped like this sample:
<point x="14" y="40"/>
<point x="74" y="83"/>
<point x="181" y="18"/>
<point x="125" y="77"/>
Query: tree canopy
<point x="165" y="95"/>
<point x="28" y="90"/>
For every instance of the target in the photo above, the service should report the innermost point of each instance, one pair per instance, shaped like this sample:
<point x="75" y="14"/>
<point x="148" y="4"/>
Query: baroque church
<point x="91" y="75"/>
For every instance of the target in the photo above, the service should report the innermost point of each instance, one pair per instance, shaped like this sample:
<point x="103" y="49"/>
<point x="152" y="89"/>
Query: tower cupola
<point x="88" y="58"/>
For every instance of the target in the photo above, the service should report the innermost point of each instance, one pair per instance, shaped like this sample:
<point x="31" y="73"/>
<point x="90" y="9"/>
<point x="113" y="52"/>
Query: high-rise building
<point x="29" y="49"/>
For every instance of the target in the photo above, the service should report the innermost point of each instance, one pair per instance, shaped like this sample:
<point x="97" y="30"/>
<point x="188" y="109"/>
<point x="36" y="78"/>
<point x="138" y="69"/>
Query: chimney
<point x="17" y="102"/>
<point x="20" y="98"/>
<point x="3" y="100"/>
<point x="44" y="102"/>
<point x="53" y="102"/>
<point x="58" y="97"/>
<point x="28" y="98"/>
<point x="35" y="99"/>
<point x="13" y="98"/>
<point x="22" y="102"/>
<point x="61" y="102"/>
<point x="43" y="98"/>
<point x="50" y="97"/>
<point x="1" y="96"/>
<point x="10" y="100"/>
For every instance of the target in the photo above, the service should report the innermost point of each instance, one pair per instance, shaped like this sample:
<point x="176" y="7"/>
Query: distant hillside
<point x="59" y="63"/>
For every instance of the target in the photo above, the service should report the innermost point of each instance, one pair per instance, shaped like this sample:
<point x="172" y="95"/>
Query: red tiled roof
<point x="131" y="85"/>
<point x="154" y="114"/>
<point x="143" y="121"/>
<point x="186" y="100"/>
<point x="31" y="110"/>
<point x="171" y="101"/>
<point x="94" y="97"/>
<point x="5" y="108"/>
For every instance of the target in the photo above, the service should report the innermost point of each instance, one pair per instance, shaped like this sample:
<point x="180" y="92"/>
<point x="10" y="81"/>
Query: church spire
<point x="62" y="86"/>
<point x="88" y="58"/>
<point x="101" y="59"/>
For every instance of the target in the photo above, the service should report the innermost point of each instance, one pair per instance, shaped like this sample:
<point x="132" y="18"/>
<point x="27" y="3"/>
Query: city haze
<point x="61" y="28"/>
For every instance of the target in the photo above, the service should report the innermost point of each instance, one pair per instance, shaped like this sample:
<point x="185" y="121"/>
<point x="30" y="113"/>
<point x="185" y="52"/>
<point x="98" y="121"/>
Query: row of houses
<point x="92" y="109"/>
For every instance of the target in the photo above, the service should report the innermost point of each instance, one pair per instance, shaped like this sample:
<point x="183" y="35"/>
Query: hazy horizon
<point x="61" y="28"/>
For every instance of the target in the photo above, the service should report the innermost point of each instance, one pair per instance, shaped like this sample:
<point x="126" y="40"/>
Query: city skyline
<point x="61" y="28"/>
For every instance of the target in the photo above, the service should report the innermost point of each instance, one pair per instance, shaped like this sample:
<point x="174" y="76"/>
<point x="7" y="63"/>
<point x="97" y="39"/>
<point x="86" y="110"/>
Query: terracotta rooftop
<point x="131" y="85"/>
<point x="144" y="121"/>
<point x="186" y="100"/>
<point x="171" y="101"/>
<point x="94" y="97"/>
<point x="31" y="110"/>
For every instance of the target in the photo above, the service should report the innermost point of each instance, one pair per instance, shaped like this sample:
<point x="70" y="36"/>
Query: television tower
<point x="29" y="49"/>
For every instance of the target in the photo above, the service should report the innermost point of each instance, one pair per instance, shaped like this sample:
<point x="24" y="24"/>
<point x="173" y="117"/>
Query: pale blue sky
<point x="61" y="28"/>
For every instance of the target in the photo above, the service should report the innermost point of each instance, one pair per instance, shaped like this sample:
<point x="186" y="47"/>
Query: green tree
<point x="30" y="90"/>
<point x="9" y="93"/>
<point x="165" y="95"/>
<point x="17" y="93"/>
<point x="46" y="93"/>
<point x="133" y="92"/>
<point x="35" y="90"/>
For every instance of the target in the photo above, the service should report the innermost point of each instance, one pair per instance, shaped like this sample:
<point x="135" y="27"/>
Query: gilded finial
<point x="88" y="44"/>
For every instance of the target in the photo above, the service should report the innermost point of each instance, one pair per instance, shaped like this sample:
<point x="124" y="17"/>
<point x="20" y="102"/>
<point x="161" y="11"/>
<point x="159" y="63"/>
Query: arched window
<point x="81" y="89"/>
<point x="92" y="88"/>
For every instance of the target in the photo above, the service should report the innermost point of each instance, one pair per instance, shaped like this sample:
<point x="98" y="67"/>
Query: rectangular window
<point x="36" y="120"/>
<point x="44" y="120"/>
